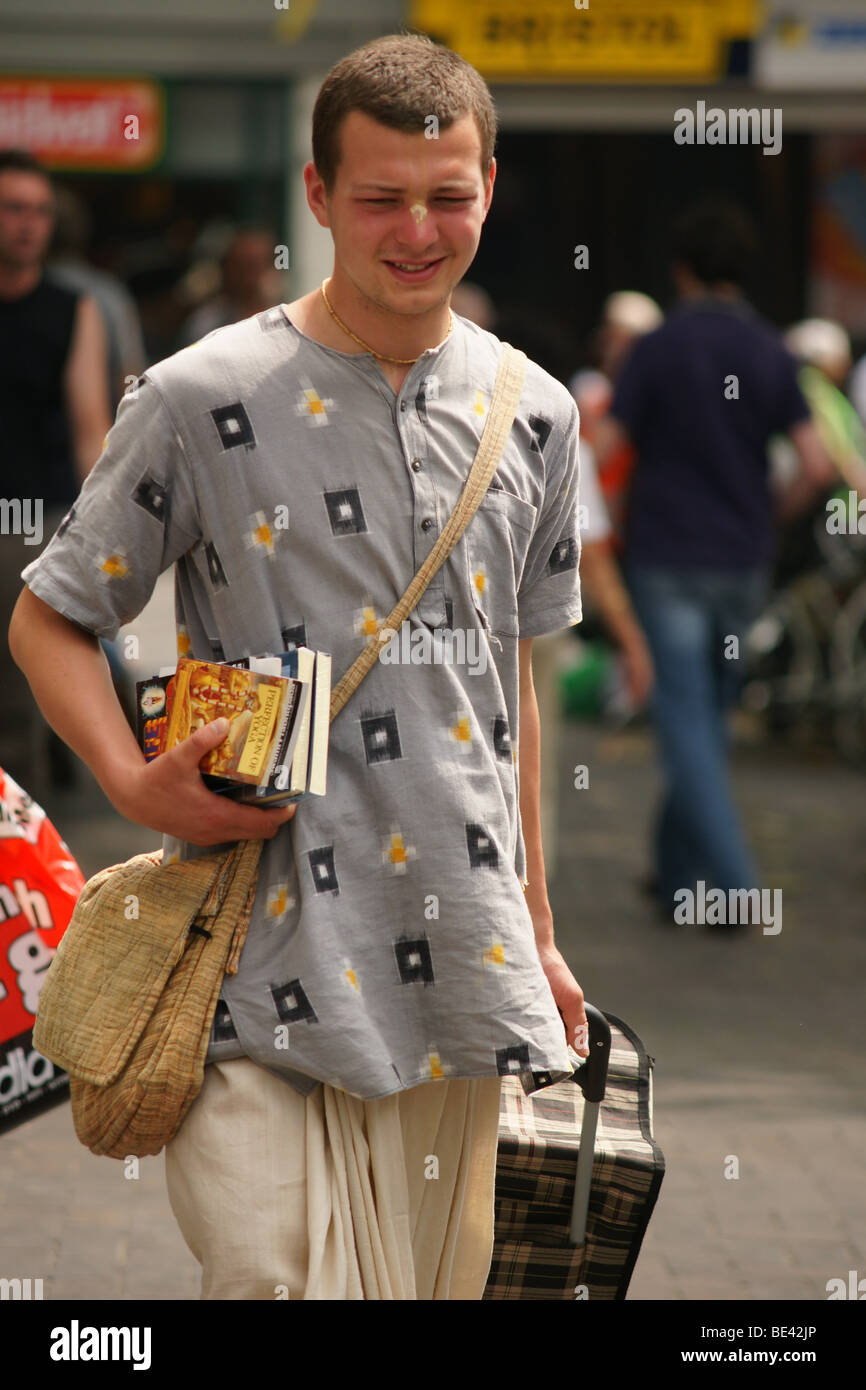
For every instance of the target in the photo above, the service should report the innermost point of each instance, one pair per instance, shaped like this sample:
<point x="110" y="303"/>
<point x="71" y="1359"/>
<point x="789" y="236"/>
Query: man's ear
<point x="489" y="190"/>
<point x="316" y="195"/>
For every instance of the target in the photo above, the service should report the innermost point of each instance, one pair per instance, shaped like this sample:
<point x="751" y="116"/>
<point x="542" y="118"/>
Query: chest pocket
<point x="495" y="546"/>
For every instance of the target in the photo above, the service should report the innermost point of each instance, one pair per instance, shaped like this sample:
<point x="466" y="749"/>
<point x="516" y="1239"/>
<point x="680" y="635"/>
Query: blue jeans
<point x="690" y="617"/>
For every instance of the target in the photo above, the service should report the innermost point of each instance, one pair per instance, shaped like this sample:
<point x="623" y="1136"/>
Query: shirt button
<point x="402" y="405"/>
<point x="426" y="523"/>
<point x="417" y="465"/>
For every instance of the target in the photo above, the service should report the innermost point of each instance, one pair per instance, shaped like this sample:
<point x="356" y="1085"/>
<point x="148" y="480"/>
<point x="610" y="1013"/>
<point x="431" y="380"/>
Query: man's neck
<point x="729" y="292"/>
<point x="310" y="315"/>
<point x="16" y="281"/>
<point x="398" y="335"/>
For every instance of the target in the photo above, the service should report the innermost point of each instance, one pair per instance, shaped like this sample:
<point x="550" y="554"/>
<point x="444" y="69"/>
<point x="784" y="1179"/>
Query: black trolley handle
<point x="591" y="1077"/>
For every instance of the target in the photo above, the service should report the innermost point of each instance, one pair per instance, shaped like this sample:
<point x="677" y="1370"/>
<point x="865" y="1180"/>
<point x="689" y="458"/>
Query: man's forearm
<point x="601" y="580"/>
<point x="71" y="683"/>
<point x="529" y="766"/>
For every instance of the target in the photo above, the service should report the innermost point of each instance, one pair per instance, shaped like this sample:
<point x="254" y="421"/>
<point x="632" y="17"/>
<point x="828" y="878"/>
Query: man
<point x="699" y="398"/>
<point x="247" y="287"/>
<point x="391" y="943"/>
<point x="68" y="265"/>
<point x="626" y="316"/>
<point x="55" y="413"/>
<point x="601" y="579"/>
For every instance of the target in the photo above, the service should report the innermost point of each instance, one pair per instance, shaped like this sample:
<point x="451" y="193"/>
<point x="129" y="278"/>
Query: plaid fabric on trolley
<point x="539" y="1138"/>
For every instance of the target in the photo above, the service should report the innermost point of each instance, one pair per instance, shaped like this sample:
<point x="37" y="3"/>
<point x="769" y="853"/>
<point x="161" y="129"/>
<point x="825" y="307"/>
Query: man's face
<point x="248" y="263"/>
<point x="403" y="199"/>
<point x="26" y="218"/>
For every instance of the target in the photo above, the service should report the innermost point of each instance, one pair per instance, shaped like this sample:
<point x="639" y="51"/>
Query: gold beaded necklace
<point x="382" y="356"/>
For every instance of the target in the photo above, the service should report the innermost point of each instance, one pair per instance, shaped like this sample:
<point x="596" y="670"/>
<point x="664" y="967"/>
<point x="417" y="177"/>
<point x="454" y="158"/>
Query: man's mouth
<point x="414" y="270"/>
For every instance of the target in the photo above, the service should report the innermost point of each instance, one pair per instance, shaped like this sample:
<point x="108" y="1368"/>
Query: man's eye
<point x="390" y="201"/>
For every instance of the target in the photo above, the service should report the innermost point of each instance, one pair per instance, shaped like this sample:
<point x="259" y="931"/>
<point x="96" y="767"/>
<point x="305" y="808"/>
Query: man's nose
<point x="417" y="224"/>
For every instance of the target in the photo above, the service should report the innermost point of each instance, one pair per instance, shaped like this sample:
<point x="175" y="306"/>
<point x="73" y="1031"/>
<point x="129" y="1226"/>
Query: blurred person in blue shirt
<point x="699" y="398"/>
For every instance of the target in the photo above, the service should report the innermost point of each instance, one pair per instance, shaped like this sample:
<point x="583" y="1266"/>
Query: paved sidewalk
<point x="758" y="1042"/>
<point x="758" y="1046"/>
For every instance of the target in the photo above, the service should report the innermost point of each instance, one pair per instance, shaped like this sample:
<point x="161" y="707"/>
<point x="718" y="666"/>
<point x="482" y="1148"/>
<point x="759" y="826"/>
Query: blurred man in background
<point x="602" y="582"/>
<point x="55" y="415"/>
<point x="68" y="265"/>
<point x="626" y="316"/>
<point x="249" y="284"/>
<point x="699" y="398"/>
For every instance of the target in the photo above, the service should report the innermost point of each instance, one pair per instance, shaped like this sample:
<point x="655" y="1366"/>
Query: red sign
<point x="69" y="123"/>
<point x="39" y="886"/>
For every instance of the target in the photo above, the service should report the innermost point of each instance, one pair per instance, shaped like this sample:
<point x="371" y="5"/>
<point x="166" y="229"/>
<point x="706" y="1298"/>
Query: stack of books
<point x="278" y="707"/>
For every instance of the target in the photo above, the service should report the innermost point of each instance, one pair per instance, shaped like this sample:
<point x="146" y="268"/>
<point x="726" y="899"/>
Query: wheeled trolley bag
<point x="577" y="1175"/>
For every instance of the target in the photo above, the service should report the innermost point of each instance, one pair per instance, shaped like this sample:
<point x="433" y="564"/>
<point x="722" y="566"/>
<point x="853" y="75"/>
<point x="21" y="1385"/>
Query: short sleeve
<point x="548" y="598"/>
<point x="135" y="515"/>
<point x="633" y="392"/>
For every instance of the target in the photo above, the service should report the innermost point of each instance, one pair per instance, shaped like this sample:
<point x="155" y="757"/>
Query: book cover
<point x="151" y="713"/>
<point x="260" y="709"/>
<point x="321" y="725"/>
<point x="299" y="752"/>
<point x="291" y="778"/>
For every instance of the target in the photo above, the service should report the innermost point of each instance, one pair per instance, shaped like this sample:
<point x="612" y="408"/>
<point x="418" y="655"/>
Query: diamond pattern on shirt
<point x="350" y="977"/>
<point x="461" y="731"/>
<point x="345" y="512"/>
<point x="414" y="960"/>
<point x="437" y="1071"/>
<point x="540" y="432"/>
<point x="323" y="870"/>
<point x="215" y="566"/>
<point x="152" y="496"/>
<point x="482" y="849"/>
<point x="396" y="853"/>
<point x="292" y="1004"/>
<point x="381" y="737"/>
<point x="479" y="582"/>
<point x="278" y="902"/>
<point x="223" y="1026"/>
<point x="563" y="556"/>
<point x="261" y="535"/>
<point x="313" y="407"/>
<point x="294" y="637"/>
<point x="495" y="955"/>
<point x="234" y="426"/>
<point x="366" y="623"/>
<point x="502" y="738"/>
<point x="512" y="1059"/>
<point x="113" y="566"/>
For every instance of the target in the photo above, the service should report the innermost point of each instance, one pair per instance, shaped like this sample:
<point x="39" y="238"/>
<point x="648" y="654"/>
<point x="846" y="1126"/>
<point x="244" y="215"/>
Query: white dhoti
<point x="326" y="1196"/>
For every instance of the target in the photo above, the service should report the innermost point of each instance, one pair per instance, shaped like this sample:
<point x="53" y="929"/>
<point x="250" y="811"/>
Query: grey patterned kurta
<point x="390" y="942"/>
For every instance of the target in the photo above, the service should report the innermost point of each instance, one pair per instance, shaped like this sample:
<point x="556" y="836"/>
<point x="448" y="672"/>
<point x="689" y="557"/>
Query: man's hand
<point x="569" y="998"/>
<point x="638" y="664"/>
<point x="168" y="794"/>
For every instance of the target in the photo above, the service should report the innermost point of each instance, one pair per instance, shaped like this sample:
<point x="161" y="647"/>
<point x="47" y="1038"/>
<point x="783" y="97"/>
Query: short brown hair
<point x="21" y="162"/>
<point x="400" y="80"/>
